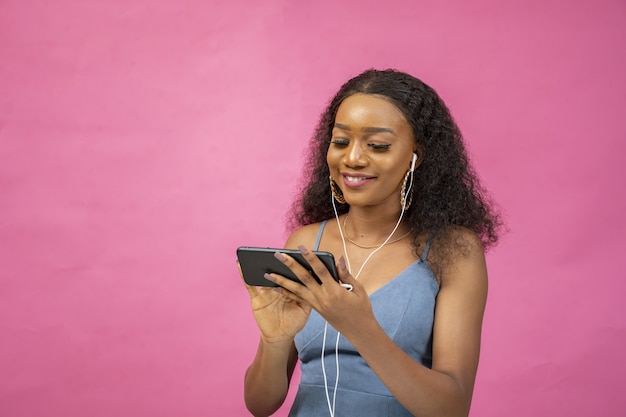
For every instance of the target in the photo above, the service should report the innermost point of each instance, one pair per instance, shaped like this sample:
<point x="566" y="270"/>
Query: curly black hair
<point x="447" y="193"/>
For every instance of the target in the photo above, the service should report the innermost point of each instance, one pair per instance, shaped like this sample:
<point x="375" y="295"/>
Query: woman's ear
<point x="418" y="157"/>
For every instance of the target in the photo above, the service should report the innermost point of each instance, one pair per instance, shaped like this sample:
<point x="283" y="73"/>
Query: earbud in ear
<point x="413" y="161"/>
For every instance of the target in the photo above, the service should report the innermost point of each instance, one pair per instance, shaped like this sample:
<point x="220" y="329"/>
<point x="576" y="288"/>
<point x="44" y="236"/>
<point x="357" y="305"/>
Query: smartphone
<point x="255" y="262"/>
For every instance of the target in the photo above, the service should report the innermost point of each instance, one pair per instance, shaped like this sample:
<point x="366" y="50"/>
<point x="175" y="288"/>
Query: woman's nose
<point x="355" y="156"/>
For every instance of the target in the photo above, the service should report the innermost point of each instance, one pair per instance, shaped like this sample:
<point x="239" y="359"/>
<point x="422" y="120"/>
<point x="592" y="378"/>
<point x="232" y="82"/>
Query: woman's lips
<point x="356" y="180"/>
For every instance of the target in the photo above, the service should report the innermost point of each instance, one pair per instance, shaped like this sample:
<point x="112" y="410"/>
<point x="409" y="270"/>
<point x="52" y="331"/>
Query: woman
<point x="391" y="194"/>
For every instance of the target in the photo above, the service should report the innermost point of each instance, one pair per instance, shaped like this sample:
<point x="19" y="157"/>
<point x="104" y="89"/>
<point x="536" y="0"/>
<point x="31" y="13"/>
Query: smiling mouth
<point x="354" y="179"/>
<point x="351" y="180"/>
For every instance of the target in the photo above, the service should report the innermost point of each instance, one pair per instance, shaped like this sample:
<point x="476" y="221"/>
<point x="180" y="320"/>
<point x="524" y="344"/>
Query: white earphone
<point x="413" y="161"/>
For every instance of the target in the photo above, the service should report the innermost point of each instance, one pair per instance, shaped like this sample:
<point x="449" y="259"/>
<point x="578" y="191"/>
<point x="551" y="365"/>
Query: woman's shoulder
<point x="305" y="235"/>
<point x="459" y="253"/>
<point x="457" y="242"/>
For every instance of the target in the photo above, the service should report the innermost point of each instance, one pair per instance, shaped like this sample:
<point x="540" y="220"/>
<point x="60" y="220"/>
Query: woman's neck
<point x="372" y="227"/>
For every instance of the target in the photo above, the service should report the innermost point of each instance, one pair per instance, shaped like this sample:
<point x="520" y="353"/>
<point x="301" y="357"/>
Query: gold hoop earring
<point x="334" y="188"/>
<point x="406" y="196"/>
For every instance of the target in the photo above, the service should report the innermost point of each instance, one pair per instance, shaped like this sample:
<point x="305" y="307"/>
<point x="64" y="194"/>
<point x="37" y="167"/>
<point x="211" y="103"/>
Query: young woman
<point x="390" y="192"/>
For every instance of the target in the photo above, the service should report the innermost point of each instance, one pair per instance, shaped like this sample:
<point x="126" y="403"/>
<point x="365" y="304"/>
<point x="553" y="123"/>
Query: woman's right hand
<point x="278" y="318"/>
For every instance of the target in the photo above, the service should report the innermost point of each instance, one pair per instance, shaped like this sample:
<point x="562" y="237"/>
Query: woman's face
<point x="371" y="150"/>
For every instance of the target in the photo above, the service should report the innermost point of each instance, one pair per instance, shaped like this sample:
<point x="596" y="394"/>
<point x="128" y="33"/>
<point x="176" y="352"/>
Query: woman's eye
<point x="340" y="142"/>
<point x="379" y="146"/>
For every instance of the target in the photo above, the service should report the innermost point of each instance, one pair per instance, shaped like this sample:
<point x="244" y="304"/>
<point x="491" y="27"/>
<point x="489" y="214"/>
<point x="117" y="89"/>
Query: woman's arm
<point x="266" y="382"/>
<point x="267" y="379"/>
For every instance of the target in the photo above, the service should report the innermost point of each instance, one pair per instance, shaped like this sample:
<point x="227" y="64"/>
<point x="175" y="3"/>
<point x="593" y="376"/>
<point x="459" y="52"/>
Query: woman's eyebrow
<point x="367" y="129"/>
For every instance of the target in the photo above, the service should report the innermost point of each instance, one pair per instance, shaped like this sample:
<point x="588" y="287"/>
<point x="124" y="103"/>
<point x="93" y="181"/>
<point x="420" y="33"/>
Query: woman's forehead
<point x="368" y="110"/>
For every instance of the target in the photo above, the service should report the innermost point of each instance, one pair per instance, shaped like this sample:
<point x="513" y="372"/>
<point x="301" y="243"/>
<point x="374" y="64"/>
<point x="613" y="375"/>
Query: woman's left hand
<point x="342" y="308"/>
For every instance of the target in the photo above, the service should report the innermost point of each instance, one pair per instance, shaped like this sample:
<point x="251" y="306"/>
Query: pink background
<point x="141" y="142"/>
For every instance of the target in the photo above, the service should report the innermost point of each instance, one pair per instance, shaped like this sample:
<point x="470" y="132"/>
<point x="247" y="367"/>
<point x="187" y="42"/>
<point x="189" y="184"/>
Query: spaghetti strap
<point x="426" y="249"/>
<point x="319" y="235"/>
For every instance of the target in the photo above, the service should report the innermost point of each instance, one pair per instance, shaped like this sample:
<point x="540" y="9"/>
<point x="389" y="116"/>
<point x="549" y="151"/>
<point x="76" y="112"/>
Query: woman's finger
<point x="345" y="278"/>
<point x="300" y="271"/>
<point x="291" y="289"/>
<point x="317" y="266"/>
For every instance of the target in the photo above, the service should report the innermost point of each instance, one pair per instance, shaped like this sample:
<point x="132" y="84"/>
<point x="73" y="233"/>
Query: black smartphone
<point x="255" y="262"/>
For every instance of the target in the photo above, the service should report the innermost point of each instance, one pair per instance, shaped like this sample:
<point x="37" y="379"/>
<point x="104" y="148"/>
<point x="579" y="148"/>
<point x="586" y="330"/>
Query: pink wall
<point x="141" y="142"/>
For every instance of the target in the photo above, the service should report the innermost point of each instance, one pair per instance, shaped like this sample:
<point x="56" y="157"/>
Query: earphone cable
<point x="331" y="406"/>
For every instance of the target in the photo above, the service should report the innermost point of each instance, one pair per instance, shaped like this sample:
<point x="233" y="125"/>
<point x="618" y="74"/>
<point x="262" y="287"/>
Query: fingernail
<point x="303" y="250"/>
<point x="269" y="277"/>
<point x="342" y="264"/>
<point x="280" y="256"/>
